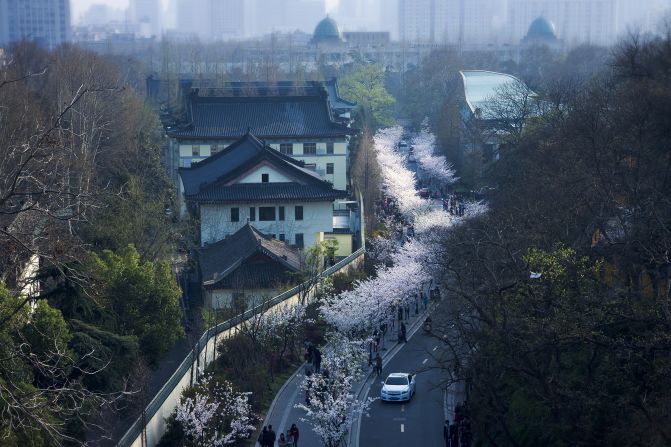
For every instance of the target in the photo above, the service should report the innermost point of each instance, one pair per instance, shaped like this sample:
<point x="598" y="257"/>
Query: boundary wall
<point x="149" y="428"/>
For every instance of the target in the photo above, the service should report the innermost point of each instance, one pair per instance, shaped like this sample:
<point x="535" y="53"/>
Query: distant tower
<point x="46" y="22"/>
<point x="146" y="16"/>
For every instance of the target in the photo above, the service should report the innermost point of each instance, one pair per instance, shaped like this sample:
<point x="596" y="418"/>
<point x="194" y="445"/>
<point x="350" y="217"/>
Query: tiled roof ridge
<point x="257" y="98"/>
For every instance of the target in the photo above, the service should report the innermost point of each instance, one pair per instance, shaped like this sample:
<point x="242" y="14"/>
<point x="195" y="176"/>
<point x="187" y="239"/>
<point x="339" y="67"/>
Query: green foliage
<point x="142" y="297"/>
<point x="365" y="86"/>
<point x="42" y="336"/>
<point x="579" y="355"/>
<point x="114" y="358"/>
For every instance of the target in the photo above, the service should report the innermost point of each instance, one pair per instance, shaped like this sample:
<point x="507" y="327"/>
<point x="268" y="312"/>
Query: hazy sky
<point x="79" y="6"/>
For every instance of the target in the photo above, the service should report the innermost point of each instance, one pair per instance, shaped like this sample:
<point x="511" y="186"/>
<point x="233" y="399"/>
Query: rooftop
<point x="482" y="87"/>
<point x="230" y="117"/>
<point x="213" y="179"/>
<point x="234" y="254"/>
<point x="327" y="30"/>
<point x="541" y="29"/>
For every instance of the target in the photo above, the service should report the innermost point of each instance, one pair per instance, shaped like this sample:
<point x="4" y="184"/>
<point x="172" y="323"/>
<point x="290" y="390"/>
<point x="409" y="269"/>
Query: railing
<point x="134" y="434"/>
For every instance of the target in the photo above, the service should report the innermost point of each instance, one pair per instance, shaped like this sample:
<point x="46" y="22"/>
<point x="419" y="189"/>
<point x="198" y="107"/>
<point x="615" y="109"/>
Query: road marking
<point x="424" y="362"/>
<point x="402" y="408"/>
<point x="435" y="347"/>
<point x="402" y="428"/>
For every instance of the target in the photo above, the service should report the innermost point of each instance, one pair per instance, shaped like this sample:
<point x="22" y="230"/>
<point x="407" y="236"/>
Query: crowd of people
<point x="454" y="205"/>
<point x="268" y="437"/>
<point x="458" y="433"/>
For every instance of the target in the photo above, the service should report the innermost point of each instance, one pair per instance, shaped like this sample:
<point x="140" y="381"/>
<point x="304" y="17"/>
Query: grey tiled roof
<point x="265" y="116"/>
<point x="337" y="102"/>
<point x="222" y="259"/>
<point x="212" y="180"/>
<point x="267" y="192"/>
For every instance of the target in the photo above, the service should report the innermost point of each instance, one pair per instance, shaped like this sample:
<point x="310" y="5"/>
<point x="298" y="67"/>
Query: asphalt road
<point x="415" y="423"/>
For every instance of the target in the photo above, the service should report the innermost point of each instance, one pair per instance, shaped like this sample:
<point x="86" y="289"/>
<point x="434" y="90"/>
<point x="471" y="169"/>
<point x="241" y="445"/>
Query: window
<point x="265" y="178"/>
<point x="266" y="213"/>
<point x="299" y="240"/>
<point x="329" y="168"/>
<point x="281" y="212"/>
<point x="329" y="148"/>
<point x="298" y="213"/>
<point x="252" y="214"/>
<point x="282" y="237"/>
<point x="287" y="148"/>
<point x="195" y="150"/>
<point x="310" y="148"/>
<point x="235" y="214"/>
<point x="215" y="148"/>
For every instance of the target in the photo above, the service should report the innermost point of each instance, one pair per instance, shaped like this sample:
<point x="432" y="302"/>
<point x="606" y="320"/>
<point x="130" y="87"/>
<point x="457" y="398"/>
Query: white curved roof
<point x="481" y="87"/>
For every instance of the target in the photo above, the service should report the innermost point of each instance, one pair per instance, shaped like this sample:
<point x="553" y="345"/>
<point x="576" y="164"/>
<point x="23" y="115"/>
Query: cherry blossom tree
<point x="216" y="415"/>
<point x="435" y="166"/>
<point x="331" y="407"/>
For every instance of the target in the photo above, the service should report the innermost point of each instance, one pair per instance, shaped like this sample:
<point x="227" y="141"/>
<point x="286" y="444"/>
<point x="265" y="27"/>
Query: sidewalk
<point x="282" y="412"/>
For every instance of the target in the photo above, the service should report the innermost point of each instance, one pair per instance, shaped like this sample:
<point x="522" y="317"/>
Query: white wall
<point x="157" y="424"/>
<point x="215" y="221"/>
<point x="221" y="298"/>
<point x="256" y="176"/>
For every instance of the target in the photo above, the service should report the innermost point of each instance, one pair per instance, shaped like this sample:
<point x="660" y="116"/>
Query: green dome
<point x="541" y="28"/>
<point x="326" y="31"/>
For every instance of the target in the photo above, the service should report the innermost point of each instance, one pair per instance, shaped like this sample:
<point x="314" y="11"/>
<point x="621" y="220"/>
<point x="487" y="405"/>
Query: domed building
<point x="541" y="32"/>
<point x="327" y="32"/>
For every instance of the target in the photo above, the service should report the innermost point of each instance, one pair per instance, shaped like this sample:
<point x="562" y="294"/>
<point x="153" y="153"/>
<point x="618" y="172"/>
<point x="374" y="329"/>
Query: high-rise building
<point x="644" y="16"/>
<point x="228" y="19"/>
<point x="46" y="22"/>
<point x="576" y="21"/>
<point x="465" y="22"/>
<point x="360" y="15"/>
<point x="146" y="16"/>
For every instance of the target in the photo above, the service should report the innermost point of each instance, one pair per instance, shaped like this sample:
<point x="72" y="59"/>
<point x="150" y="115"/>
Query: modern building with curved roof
<point x="482" y="87"/>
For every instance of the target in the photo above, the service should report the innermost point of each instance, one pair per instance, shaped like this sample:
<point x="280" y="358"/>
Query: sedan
<point x="398" y="387"/>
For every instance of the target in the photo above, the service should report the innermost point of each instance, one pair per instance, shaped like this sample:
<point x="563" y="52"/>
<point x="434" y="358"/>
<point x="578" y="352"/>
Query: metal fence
<point x="135" y="431"/>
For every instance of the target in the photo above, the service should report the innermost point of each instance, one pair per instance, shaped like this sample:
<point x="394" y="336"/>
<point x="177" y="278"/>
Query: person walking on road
<point x="294" y="434"/>
<point x="282" y="442"/>
<point x="271" y="437"/>
<point x="263" y="437"/>
<point x="402" y="333"/>
<point x="378" y="364"/>
<point x="446" y="433"/>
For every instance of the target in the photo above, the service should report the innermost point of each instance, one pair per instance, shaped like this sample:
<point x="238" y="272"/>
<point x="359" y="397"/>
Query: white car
<point x="398" y="387"/>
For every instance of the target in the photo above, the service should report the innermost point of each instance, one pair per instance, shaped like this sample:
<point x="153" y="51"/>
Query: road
<point x="418" y="422"/>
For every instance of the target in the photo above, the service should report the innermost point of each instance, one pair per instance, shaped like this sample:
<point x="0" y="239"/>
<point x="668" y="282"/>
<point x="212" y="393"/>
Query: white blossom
<point x="216" y="415"/>
<point x="435" y="166"/>
<point x="332" y="406"/>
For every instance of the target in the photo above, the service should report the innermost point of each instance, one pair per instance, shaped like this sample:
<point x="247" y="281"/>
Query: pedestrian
<point x="282" y="442"/>
<point x="271" y="437"/>
<point x="446" y="433"/>
<point x="294" y="434"/>
<point x="263" y="437"/>
<point x="307" y="388"/>
<point x="378" y="364"/>
<point x="454" y="435"/>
